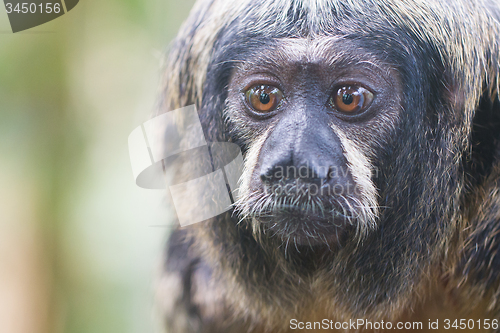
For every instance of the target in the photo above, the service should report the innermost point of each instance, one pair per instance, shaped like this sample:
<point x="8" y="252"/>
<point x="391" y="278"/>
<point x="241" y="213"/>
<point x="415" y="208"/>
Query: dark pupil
<point x="347" y="98"/>
<point x="264" y="98"/>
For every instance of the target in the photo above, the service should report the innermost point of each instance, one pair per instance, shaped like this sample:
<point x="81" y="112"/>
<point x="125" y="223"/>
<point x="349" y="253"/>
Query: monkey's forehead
<point x="323" y="51"/>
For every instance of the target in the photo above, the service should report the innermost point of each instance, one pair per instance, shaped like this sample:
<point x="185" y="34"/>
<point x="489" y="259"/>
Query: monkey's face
<point x="312" y="115"/>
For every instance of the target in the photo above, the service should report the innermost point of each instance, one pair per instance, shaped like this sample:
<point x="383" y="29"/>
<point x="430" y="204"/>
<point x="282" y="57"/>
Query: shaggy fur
<point x="433" y="211"/>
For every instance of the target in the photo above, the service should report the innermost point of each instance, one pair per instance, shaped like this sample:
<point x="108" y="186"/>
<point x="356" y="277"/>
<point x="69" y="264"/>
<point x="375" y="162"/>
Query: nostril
<point x="274" y="168"/>
<point x="264" y="178"/>
<point x="267" y="175"/>
<point x="317" y="174"/>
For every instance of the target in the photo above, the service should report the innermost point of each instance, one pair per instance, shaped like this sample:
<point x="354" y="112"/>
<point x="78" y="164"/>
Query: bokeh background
<point x="80" y="243"/>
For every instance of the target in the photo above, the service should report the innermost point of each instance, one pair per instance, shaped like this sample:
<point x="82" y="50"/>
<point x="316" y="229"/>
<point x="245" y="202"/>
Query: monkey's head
<point x="358" y="125"/>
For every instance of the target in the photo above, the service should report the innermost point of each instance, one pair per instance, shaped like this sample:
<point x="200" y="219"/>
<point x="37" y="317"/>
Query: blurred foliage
<point x="71" y="91"/>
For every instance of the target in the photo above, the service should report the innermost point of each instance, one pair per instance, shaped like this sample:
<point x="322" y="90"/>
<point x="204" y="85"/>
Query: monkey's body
<point x="396" y="103"/>
<point x="195" y="302"/>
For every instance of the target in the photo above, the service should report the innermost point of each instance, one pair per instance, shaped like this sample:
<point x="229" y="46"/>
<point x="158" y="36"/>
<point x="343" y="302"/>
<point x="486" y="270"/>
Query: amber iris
<point x="351" y="99"/>
<point x="263" y="98"/>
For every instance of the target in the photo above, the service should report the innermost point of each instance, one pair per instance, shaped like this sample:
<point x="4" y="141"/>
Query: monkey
<point x="370" y="134"/>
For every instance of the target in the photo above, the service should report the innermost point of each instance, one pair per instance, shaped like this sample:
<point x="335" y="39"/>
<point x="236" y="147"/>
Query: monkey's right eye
<point x="263" y="98"/>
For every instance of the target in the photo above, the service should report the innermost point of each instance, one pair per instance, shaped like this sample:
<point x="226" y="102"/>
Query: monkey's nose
<point x="303" y="149"/>
<point x="307" y="167"/>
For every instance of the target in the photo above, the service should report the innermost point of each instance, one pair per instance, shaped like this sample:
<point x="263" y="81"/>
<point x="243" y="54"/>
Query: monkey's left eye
<point x="351" y="99"/>
<point x="263" y="98"/>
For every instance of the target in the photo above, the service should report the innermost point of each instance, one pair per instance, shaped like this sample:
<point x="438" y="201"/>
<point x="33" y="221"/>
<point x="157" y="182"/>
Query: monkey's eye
<point x="351" y="99"/>
<point x="263" y="98"/>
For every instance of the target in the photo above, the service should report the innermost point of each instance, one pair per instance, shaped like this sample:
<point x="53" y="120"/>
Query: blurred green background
<point x="80" y="243"/>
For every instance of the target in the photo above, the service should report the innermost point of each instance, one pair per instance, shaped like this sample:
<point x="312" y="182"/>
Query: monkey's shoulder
<point x="190" y="297"/>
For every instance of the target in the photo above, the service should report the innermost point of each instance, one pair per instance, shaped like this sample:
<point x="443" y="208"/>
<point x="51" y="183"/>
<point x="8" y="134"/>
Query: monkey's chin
<point x="307" y="229"/>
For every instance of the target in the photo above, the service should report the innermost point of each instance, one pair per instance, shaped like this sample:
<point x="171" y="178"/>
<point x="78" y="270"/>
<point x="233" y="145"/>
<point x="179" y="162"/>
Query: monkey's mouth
<point x="305" y="226"/>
